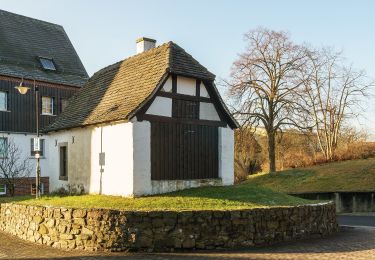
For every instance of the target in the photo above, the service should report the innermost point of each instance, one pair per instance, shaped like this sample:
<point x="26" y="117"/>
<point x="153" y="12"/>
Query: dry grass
<point x="355" y="175"/>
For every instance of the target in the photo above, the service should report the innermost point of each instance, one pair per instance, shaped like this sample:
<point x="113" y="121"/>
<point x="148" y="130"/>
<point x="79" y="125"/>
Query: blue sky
<point x="104" y="31"/>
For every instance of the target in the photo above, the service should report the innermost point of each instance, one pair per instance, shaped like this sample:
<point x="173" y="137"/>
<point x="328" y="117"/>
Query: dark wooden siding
<point x="185" y="109"/>
<point x="183" y="151"/>
<point x="21" y="115"/>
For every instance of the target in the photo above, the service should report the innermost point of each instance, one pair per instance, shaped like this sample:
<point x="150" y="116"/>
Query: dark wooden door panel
<point x="183" y="151"/>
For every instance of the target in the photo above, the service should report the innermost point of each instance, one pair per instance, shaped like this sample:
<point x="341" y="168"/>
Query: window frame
<point x="43" y="62"/>
<point x="33" y="188"/>
<point x="5" y="100"/>
<point x="65" y="176"/>
<point x="52" y="103"/>
<point x="5" y="152"/>
<point x="5" y="189"/>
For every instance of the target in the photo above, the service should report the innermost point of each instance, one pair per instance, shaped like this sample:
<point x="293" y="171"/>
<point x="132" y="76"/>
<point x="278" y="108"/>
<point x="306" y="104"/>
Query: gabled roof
<point x="119" y="90"/>
<point x="23" y="40"/>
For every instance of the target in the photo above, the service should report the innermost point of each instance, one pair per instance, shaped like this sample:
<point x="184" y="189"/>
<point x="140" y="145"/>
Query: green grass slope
<point x="242" y="196"/>
<point x="355" y="175"/>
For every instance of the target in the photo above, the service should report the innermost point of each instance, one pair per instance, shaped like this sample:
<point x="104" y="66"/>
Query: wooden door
<point x="183" y="151"/>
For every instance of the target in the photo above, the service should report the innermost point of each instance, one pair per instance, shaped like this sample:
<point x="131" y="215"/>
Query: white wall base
<point x="159" y="187"/>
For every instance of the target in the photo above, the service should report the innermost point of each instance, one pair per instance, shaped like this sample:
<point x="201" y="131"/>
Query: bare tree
<point x="334" y="93"/>
<point x="12" y="164"/>
<point x="264" y="85"/>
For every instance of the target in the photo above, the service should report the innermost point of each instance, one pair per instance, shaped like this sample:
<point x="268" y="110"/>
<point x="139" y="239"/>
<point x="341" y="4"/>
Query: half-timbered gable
<point x="188" y="99"/>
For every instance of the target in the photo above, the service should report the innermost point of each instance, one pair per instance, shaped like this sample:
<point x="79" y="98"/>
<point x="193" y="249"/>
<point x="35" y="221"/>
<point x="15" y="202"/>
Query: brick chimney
<point x="145" y="44"/>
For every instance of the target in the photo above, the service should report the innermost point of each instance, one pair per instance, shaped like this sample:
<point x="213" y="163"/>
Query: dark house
<point x="31" y="49"/>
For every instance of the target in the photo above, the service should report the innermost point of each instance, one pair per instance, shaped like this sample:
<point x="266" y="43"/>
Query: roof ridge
<point x="169" y="55"/>
<point x="178" y="48"/>
<point x="30" y="18"/>
<point x="114" y="65"/>
<point x="146" y="52"/>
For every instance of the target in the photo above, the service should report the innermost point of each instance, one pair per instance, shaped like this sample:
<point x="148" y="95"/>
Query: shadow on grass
<point x="245" y="195"/>
<point x="8" y="199"/>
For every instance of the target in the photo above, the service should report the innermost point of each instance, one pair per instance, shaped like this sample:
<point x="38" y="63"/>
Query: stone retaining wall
<point x="99" y="229"/>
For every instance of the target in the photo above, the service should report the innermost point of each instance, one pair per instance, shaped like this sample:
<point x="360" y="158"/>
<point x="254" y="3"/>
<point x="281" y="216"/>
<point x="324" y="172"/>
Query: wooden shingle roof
<point x="23" y="40"/>
<point x="117" y="91"/>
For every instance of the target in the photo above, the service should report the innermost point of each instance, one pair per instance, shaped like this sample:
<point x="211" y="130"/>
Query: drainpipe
<point x="101" y="161"/>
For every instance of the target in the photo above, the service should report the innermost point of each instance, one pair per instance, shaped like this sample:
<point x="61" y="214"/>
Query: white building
<point x="149" y="124"/>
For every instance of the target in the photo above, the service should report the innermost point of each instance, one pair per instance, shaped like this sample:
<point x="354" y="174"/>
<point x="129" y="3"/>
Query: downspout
<point x="100" y="161"/>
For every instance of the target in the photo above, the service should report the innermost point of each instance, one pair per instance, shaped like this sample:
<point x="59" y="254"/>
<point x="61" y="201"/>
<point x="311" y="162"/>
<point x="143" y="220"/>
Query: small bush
<point x="248" y="156"/>
<point x="70" y="189"/>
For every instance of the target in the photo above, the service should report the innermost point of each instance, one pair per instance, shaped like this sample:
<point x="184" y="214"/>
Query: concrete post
<point x="338" y="202"/>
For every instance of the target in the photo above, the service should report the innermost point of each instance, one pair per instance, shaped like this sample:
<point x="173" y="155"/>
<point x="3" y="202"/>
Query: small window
<point x="63" y="162"/>
<point x="64" y="104"/>
<point x="3" y="146"/>
<point x="47" y="64"/>
<point x="33" y="188"/>
<point x="47" y="106"/>
<point x="3" y="101"/>
<point x="32" y="152"/>
<point x="3" y="189"/>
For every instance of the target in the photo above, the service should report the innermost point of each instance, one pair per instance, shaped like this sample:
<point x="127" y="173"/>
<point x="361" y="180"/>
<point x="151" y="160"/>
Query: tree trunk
<point x="10" y="188"/>
<point x="271" y="151"/>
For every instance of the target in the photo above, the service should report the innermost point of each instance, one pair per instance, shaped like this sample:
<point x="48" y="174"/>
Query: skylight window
<point x="47" y="64"/>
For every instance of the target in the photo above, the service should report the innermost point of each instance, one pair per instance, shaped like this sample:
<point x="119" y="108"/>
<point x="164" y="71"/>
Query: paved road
<point x="350" y="243"/>
<point x="355" y="220"/>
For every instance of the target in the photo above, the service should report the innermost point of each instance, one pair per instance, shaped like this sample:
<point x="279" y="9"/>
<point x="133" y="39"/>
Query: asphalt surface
<point x="356" y="220"/>
<point x="349" y="243"/>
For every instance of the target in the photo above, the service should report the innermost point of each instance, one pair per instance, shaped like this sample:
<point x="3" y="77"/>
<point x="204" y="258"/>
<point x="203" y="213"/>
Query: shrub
<point x="248" y="156"/>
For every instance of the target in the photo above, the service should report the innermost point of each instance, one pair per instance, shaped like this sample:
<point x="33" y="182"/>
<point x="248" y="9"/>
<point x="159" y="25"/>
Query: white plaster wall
<point x="203" y="91"/>
<point x="186" y="86"/>
<point x="161" y="106"/>
<point x="142" y="158"/>
<point x="167" y="87"/>
<point x="79" y="158"/>
<point x="117" y="144"/>
<point x="226" y="155"/>
<point x="207" y="111"/>
<point x="83" y="159"/>
<point x="22" y="141"/>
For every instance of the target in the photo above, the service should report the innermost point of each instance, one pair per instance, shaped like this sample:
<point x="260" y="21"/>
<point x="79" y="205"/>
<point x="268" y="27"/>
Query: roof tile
<point x="116" y="91"/>
<point x="24" y="39"/>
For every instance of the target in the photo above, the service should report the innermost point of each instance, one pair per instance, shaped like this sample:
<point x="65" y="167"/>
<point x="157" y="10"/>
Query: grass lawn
<point x="242" y="196"/>
<point x="356" y="175"/>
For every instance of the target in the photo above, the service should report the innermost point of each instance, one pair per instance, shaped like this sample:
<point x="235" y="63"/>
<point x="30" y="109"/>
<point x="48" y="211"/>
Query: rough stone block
<point x="42" y="229"/>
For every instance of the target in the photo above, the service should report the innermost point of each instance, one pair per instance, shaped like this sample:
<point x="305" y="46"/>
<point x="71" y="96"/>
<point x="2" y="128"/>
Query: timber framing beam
<point x="181" y="120"/>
